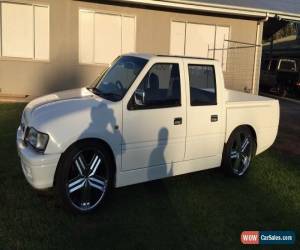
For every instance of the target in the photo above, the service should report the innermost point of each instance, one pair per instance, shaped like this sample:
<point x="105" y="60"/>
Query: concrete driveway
<point x="288" y="139"/>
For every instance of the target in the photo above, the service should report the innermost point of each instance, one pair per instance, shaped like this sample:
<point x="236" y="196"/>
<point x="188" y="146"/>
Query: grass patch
<point x="205" y="210"/>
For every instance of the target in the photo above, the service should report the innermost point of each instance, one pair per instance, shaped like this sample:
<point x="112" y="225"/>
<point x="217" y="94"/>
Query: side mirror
<point x="139" y="97"/>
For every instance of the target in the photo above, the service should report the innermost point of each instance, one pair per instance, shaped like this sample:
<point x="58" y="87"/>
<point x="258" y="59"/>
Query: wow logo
<point x="268" y="237"/>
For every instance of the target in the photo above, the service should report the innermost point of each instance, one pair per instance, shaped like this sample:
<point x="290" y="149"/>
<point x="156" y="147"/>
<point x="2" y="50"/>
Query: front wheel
<point x="84" y="176"/>
<point x="239" y="151"/>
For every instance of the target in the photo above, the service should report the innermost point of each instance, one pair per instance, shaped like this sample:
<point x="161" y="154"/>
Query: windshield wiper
<point x="116" y="96"/>
<point x="109" y="96"/>
<point x="94" y="90"/>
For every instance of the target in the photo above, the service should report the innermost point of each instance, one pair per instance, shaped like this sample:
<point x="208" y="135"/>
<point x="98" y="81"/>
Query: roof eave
<point x="197" y="6"/>
<point x="288" y="17"/>
<point x="216" y="8"/>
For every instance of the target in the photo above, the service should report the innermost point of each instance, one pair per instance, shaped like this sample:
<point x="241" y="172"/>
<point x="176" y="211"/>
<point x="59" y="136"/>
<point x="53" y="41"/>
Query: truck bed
<point x="260" y="113"/>
<point x="233" y="98"/>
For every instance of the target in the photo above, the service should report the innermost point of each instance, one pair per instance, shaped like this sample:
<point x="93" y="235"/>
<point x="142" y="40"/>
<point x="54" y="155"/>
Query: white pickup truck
<point x="146" y="117"/>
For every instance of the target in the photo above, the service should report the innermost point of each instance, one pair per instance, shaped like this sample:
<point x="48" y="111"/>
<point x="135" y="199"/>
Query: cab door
<point x="154" y="117"/>
<point x="205" y="110"/>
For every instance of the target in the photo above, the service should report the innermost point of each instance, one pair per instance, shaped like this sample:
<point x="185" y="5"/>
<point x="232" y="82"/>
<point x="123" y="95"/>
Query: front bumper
<point x="39" y="169"/>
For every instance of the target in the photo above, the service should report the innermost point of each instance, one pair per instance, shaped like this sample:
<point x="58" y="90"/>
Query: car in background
<point x="280" y="76"/>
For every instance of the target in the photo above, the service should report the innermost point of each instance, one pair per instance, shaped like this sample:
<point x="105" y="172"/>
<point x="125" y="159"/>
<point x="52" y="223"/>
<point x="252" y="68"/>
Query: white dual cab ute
<point x="146" y="117"/>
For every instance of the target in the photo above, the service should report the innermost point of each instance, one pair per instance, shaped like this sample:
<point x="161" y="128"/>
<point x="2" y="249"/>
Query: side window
<point x="160" y="88"/>
<point x="287" y="66"/>
<point x="202" y="85"/>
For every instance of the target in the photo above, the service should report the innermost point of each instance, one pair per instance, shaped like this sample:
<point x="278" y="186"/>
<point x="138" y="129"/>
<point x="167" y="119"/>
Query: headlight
<point x="37" y="139"/>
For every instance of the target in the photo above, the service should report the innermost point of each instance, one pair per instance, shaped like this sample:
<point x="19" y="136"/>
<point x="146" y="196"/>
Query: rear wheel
<point x="84" y="176"/>
<point x="239" y="151"/>
<point x="282" y="92"/>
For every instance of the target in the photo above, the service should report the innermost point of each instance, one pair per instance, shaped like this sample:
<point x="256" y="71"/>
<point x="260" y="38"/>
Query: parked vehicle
<point x="281" y="76"/>
<point x="147" y="117"/>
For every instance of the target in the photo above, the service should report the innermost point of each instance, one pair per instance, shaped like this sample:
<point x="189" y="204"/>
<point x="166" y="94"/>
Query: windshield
<point x="287" y="65"/>
<point x="116" y="80"/>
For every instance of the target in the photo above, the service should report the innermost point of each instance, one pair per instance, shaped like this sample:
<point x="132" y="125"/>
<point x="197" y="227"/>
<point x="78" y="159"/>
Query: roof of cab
<point x="141" y="55"/>
<point x="149" y="56"/>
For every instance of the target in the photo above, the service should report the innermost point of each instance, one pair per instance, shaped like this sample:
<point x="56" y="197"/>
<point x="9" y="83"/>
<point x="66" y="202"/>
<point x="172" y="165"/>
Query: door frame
<point x="134" y="86"/>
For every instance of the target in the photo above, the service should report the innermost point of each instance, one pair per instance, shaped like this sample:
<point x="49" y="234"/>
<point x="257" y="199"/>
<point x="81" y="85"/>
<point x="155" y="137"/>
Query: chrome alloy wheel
<point x="240" y="154"/>
<point x="88" y="179"/>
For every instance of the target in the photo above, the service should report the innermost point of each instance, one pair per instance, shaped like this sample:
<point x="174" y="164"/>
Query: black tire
<point x="238" y="152"/>
<point x="84" y="176"/>
<point x="282" y="92"/>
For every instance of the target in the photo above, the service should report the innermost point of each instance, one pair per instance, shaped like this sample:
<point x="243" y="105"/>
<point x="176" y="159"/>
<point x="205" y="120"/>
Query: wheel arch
<point x="98" y="140"/>
<point x="250" y="127"/>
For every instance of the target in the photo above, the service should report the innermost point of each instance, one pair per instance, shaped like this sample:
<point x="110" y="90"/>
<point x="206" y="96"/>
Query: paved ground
<point x="288" y="139"/>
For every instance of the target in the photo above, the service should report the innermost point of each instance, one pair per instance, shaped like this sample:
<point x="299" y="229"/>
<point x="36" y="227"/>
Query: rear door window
<point x="203" y="90"/>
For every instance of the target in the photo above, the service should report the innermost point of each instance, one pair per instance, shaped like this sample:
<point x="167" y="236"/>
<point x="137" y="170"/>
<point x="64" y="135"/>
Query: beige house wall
<point x="63" y="71"/>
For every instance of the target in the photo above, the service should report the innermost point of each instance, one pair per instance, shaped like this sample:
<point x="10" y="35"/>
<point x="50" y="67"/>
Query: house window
<point x="25" y="31"/>
<point x="103" y="37"/>
<point x="199" y="40"/>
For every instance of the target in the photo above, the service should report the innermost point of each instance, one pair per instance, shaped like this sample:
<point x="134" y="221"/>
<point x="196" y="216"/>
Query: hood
<point x="69" y="116"/>
<point x="54" y="98"/>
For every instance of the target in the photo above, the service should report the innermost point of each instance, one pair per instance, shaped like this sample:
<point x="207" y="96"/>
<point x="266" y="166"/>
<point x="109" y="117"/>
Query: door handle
<point x="214" y="118"/>
<point x="178" y="121"/>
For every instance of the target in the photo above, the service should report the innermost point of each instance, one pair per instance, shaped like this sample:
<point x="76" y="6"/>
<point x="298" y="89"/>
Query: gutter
<point x="287" y="17"/>
<point x="203" y="7"/>
<point x="216" y="8"/>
